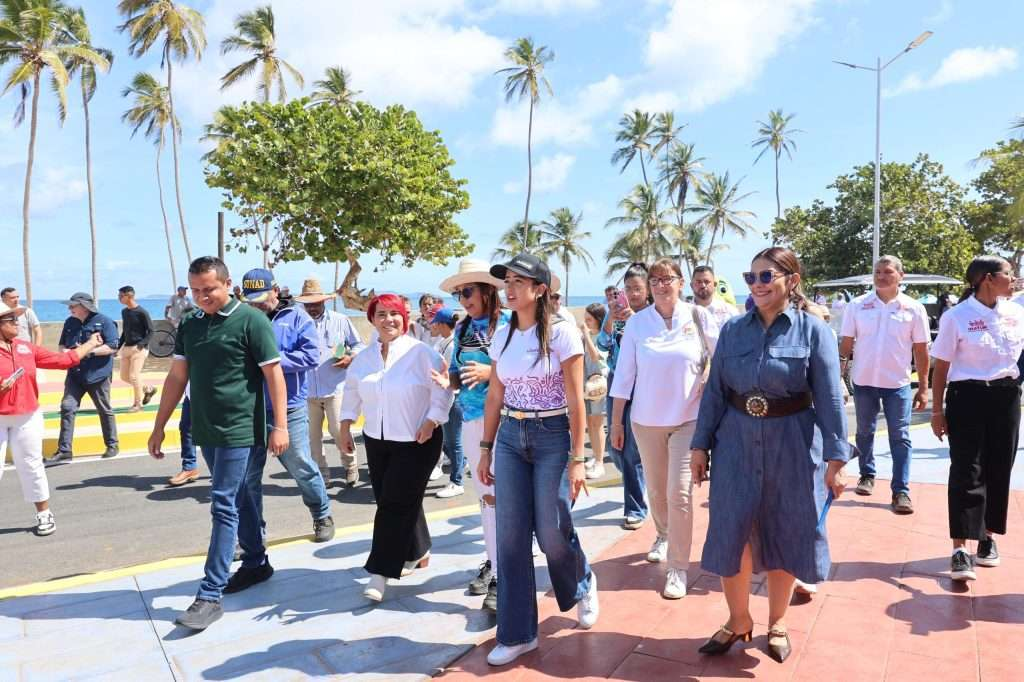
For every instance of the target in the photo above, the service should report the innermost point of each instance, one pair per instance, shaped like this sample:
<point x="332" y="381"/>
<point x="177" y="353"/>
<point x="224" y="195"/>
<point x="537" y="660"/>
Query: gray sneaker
<point x="901" y="504"/>
<point x="491" y="600"/>
<point x="866" y="485"/>
<point x="482" y="582"/>
<point x="201" y="615"/>
<point x="323" y="529"/>
<point x="111" y="452"/>
<point x="987" y="554"/>
<point x="58" y="458"/>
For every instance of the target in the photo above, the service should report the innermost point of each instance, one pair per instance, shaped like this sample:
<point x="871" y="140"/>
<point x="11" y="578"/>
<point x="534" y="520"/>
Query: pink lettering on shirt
<point x="977" y="326"/>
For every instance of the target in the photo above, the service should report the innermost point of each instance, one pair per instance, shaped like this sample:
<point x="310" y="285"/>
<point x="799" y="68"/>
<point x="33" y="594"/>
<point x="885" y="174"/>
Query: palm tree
<point x="637" y="132"/>
<point x="1018" y="124"/>
<point x="624" y="251"/>
<point x="86" y="71"/>
<point x="519" y="239"/>
<point x="680" y="170"/>
<point x="717" y="199"/>
<point x="650" y="224"/>
<point x="561" y="237"/>
<point x="181" y="29"/>
<point x="34" y="37"/>
<point x="334" y="89"/>
<point x="526" y="77"/>
<point x="151" y="109"/>
<point x="666" y="132"/>
<point x="775" y="135"/>
<point x="692" y="240"/>
<point x="256" y="35"/>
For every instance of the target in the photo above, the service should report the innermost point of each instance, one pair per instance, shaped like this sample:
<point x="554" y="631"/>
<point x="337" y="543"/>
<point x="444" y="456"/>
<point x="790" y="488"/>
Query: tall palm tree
<point x="637" y="133"/>
<point x="181" y="30"/>
<point x="518" y="239"/>
<point x="561" y="237"/>
<point x="681" y="170"/>
<point x="255" y="34"/>
<point x="525" y="78"/>
<point x="1018" y="124"/>
<point x="717" y="210"/>
<point x="666" y="132"/>
<point x="334" y="89"/>
<point x="151" y="109"/>
<point x="35" y="39"/>
<point x="692" y="240"/>
<point x="649" y="222"/>
<point x="628" y="248"/>
<point x="776" y="136"/>
<point x="86" y="72"/>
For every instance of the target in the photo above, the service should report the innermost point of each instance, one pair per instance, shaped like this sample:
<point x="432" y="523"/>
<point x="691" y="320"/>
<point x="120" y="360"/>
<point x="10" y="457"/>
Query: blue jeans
<point x="188" y="449"/>
<point x="229" y="471"/>
<point x="896" y="405"/>
<point x="298" y="461"/>
<point x="532" y="482"/>
<point x="452" y="447"/>
<point x="628" y="461"/>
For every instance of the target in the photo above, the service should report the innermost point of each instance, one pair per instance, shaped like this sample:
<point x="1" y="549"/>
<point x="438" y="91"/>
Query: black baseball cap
<point x="526" y="265"/>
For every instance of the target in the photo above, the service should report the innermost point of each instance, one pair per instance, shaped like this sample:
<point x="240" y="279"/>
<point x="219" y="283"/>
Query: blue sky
<point x="720" y="65"/>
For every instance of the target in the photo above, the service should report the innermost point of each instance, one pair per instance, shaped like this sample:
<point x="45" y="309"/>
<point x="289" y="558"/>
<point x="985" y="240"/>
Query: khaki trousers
<point x="132" y="360"/>
<point x="319" y="408"/>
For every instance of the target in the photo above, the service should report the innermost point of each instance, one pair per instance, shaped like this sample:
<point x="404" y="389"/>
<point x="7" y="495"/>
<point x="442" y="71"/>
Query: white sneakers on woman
<point x="450" y="490"/>
<point x="675" y="584"/>
<point x="503" y="655"/>
<point x="587" y="608"/>
<point x="374" y="590"/>
<point x="659" y="550"/>
<point x="45" y="523"/>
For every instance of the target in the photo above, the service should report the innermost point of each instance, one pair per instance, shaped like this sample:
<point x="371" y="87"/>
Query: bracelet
<point x="278" y="428"/>
<point x="618" y="426"/>
<point x="579" y="459"/>
<point x="486" y="444"/>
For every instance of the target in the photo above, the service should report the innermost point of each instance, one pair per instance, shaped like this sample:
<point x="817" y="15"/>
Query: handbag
<point x="595" y="387"/>
<point x="705" y="356"/>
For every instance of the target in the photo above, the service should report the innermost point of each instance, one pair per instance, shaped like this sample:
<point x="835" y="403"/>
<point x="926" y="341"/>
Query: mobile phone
<point x="620" y="299"/>
<point x="17" y="374"/>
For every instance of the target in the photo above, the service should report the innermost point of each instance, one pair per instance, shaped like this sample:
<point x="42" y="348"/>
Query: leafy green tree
<point x="516" y="240"/>
<point x="255" y="34"/>
<point x="718" y="210"/>
<point x="924" y="222"/>
<point x="181" y="30"/>
<point x="151" y="112"/>
<point x="776" y="135"/>
<point x="341" y="183"/>
<point x="35" y="39"/>
<point x="637" y="133"/>
<point x="524" y="79"/>
<point x="561" y="237"/>
<point x="681" y="170"/>
<point x="997" y="220"/>
<point x="334" y="89"/>
<point x="649" y="222"/>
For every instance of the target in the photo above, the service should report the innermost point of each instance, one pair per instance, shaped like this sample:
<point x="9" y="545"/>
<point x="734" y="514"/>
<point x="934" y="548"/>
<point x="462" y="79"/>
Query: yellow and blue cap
<point x="256" y="284"/>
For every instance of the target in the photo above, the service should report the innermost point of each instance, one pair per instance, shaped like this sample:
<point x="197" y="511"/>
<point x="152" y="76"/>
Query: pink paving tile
<point x="904" y="665"/>
<point x="642" y="668"/>
<point x="933" y="622"/>
<point x="587" y="653"/>
<point x="753" y="661"/>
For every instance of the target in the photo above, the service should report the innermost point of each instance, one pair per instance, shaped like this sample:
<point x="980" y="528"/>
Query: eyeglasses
<point x="8" y="319"/>
<point x="658" y="281"/>
<point x="764" y="277"/>
<point x="464" y="292"/>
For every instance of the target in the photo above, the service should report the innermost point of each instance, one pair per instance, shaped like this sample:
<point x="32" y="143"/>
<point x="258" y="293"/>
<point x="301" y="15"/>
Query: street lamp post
<point x="878" y="69"/>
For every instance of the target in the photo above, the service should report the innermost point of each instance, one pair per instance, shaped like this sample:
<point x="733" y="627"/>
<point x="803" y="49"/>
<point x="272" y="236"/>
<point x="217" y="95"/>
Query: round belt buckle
<point x="757" y="406"/>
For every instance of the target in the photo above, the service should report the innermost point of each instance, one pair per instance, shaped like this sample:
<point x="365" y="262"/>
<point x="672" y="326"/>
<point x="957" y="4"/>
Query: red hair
<point x="391" y="302"/>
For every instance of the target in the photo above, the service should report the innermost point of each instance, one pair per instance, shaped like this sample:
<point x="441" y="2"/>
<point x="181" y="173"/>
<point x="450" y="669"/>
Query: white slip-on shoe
<point x="450" y="490"/>
<point x="436" y="473"/>
<point x="675" y="584"/>
<point x="659" y="550"/>
<point x="588" y="609"/>
<point x="503" y="655"/>
<point x="374" y="590"/>
<point x="800" y="587"/>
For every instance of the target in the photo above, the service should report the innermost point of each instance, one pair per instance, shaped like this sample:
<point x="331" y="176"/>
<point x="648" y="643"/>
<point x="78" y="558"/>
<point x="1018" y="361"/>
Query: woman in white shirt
<point x="664" y="351"/>
<point x="976" y="352"/>
<point x="536" y="393"/>
<point x="390" y="383"/>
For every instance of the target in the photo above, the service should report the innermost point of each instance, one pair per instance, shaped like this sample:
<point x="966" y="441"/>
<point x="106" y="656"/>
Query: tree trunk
<point x="266" y="245"/>
<point x="566" y="264"/>
<point x="28" y="188"/>
<point x="529" y="178"/>
<point x="778" y="202"/>
<point x="352" y="296"/>
<point x="643" y="169"/>
<point x="711" y="247"/>
<point x="167" y="225"/>
<point x="337" y="273"/>
<point x="682" y="225"/>
<point x="88" y="184"/>
<point x="174" y="145"/>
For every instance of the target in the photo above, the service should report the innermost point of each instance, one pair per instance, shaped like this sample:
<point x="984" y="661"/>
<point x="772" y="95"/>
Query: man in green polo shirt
<point x="226" y="351"/>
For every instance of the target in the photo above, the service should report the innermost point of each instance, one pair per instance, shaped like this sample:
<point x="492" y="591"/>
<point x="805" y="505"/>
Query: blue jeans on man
<point x="628" y="461"/>
<point x="452" y="447"/>
<point x="896" y="404"/>
<point x="188" y="448"/>
<point x="229" y="472"/>
<point x="532" y="481"/>
<point x="298" y="461"/>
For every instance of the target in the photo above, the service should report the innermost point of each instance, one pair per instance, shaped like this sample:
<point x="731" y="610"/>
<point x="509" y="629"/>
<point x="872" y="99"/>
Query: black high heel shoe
<point x="714" y="647"/>
<point x="779" y="650"/>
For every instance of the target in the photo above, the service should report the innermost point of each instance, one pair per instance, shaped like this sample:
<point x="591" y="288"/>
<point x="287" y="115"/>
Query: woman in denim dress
<point x="772" y="472"/>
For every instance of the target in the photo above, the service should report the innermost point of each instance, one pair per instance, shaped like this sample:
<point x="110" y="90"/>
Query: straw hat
<point x="471" y="271"/>
<point x="313" y="292"/>
<point x="7" y="310"/>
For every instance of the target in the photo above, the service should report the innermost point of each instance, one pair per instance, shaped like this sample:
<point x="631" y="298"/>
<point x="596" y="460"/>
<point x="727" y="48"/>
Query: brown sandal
<point x="780" y="648"/>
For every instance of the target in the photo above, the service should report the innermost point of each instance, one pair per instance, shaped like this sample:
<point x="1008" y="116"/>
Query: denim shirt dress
<point x="768" y="481"/>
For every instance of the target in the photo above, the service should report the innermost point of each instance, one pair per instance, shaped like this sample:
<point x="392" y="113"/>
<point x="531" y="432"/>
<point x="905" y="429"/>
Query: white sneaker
<point x="451" y="490"/>
<point x="596" y="471"/>
<point x="374" y="590"/>
<point x="45" y="523"/>
<point x="503" y="655"/>
<point x="675" y="584"/>
<point x="445" y="460"/>
<point x="800" y="587"/>
<point x="436" y="473"/>
<point x="659" y="550"/>
<point x="588" y="609"/>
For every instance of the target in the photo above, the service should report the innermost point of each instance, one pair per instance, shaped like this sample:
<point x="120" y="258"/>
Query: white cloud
<point x="544" y="6"/>
<point x="961" y="66"/>
<point x="549" y="174"/>
<point x="52" y="187"/>
<point x="943" y="13"/>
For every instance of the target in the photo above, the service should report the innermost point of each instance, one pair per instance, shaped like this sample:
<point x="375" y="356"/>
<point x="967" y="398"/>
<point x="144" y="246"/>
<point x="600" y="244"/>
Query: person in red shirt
<point x="21" y="421"/>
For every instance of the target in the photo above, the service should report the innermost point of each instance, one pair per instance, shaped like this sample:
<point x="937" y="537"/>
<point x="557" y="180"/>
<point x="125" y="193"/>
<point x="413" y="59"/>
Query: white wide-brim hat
<point x="556" y="284"/>
<point x="7" y="310"/>
<point x="471" y="271"/>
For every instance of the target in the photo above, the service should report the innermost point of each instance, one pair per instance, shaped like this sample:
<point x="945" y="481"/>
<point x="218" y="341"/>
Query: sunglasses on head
<point x="764" y="277"/>
<point x="464" y="292"/>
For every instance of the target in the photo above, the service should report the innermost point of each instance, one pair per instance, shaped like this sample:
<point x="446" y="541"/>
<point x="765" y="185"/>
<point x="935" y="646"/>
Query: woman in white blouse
<point x="391" y="384"/>
<point x="662" y="357"/>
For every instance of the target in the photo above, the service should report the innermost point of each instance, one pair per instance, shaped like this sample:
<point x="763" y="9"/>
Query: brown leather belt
<point x="758" y="405"/>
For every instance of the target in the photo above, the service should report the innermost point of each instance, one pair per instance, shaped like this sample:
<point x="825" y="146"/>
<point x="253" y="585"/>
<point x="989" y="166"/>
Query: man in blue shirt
<point x="91" y="376"/>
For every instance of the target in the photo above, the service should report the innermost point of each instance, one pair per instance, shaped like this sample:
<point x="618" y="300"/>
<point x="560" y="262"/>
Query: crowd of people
<point x="671" y="386"/>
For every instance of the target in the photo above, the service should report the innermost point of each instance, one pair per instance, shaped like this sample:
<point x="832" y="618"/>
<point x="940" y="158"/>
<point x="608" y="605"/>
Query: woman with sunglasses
<point x="772" y="413"/>
<point x="534" y="420"/>
<point x="470" y="374"/>
<point x="661" y="365"/>
<point x="21" y="422"/>
<point x="976" y="378"/>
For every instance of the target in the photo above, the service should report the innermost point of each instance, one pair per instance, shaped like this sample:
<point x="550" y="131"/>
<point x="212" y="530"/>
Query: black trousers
<point x="99" y="393"/>
<point x="983" y="424"/>
<point x="399" y="473"/>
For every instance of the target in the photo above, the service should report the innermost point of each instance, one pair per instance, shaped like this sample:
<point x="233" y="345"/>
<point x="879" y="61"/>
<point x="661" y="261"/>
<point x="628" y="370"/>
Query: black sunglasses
<point x="765" y="277"/>
<point x="464" y="292"/>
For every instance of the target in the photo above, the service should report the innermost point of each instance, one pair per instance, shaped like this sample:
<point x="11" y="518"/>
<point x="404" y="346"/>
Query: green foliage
<point x="923" y="213"/>
<point x="255" y="34"/>
<point x="562" y="238"/>
<point x="516" y="240"/>
<point x="998" y="220"/>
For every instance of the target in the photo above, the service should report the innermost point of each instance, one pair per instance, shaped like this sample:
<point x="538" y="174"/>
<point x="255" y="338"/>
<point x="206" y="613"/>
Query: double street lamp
<point x="878" y="69"/>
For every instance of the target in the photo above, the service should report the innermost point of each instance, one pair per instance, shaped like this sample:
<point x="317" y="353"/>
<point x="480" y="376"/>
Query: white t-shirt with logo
<point x="722" y="311"/>
<point x="532" y="383"/>
<point x="980" y="342"/>
<point x="884" y="335"/>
